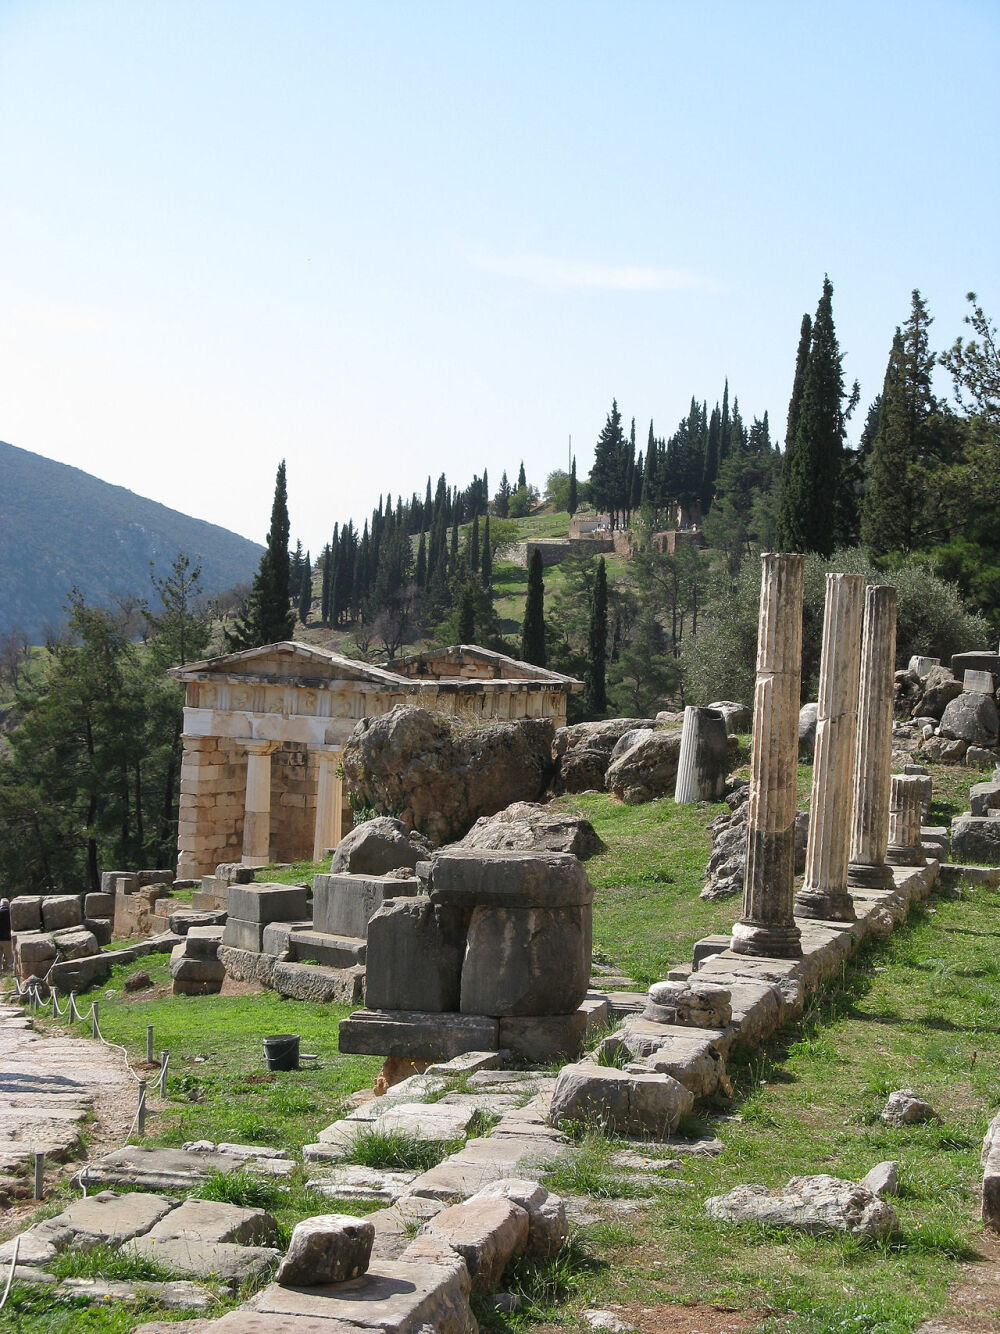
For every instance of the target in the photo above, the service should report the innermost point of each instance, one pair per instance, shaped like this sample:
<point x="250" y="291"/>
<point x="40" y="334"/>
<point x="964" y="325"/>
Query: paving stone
<point x="354" y="1182"/>
<point x="396" y="1296"/>
<point x="486" y="1160"/>
<point x="105" y="1219"/>
<point x="213" y="1221"/>
<point x="225" y="1261"/>
<point x="487" y="1232"/>
<point x="176" y="1295"/>
<point x="164" y="1169"/>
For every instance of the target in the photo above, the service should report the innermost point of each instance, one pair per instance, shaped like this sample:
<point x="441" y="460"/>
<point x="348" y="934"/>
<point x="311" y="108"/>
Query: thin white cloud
<point x="563" y="274"/>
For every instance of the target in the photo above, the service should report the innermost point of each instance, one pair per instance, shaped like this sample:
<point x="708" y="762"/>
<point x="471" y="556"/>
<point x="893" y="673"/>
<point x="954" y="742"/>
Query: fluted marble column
<point x="702" y="763"/>
<point x="824" y="892"/>
<point x="905" y="810"/>
<point x="767" y="927"/>
<point x="257" y="810"/>
<point x="873" y="764"/>
<point x="328" y="830"/>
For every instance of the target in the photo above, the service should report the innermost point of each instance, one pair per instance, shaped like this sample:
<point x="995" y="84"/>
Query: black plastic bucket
<point x="281" y="1051"/>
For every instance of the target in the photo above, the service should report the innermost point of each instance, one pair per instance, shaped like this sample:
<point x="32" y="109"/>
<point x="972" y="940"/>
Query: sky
<point x="383" y="240"/>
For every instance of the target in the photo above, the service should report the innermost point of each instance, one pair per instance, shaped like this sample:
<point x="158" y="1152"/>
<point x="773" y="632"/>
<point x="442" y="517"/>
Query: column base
<point x="255" y="862"/>
<point x="906" y="856"/>
<point x="765" y="941"/>
<point x="862" y="876"/>
<point x="825" y="905"/>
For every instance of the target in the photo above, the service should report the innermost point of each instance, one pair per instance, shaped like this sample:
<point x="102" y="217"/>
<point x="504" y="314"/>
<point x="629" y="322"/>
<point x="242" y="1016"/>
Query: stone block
<point x="983" y="798"/>
<point x="101" y="928"/>
<point x="975" y="662"/>
<point x="99" y="905"/>
<point x="183" y="968"/>
<point x="161" y="877"/>
<point x="263" y="903"/>
<point x="26" y="913"/>
<point x="707" y="946"/>
<point x="526" y="961"/>
<point x="328" y="1248"/>
<point x="487" y="1232"/>
<point x="976" y="839"/>
<point x="183" y="919"/>
<point x="547" y="1226"/>
<point x="75" y="942"/>
<point x="104" y="1219"/>
<point x="202" y="942"/>
<point x="35" y="951"/>
<point x="542" y="1039"/>
<point x="79" y="974"/>
<point x="309" y="946"/>
<point x="119" y="882"/>
<point x="696" y="1004"/>
<point x="509" y="879"/>
<point x="241" y="934"/>
<point x="344" y="904"/>
<point x="415" y="952"/>
<point x="61" y="910"/>
<point x="314" y="982"/>
<point x="417" y="1036"/>
<point x="247" y="965"/>
<point x="618" y="1100"/>
<point x="222" y="1260"/>
<point x="276" y="939"/>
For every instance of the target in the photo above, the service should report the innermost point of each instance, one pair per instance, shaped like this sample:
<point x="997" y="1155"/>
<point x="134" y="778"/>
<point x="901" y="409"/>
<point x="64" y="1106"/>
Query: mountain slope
<point x="61" y="527"/>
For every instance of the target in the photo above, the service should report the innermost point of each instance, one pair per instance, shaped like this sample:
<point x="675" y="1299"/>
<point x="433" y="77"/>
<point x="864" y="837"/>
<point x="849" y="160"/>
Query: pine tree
<point x="814" y="460"/>
<point x="573" y="503"/>
<point x="501" y="502"/>
<point x="305" y="589"/>
<point x="267" y="616"/>
<point x="596" y="681"/>
<point x="533" y="626"/>
<point x="605" y="487"/>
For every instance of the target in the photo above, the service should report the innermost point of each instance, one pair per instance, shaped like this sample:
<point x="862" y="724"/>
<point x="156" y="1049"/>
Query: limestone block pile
<point x="975" y="836"/>
<point x="495" y="956"/>
<point x="139" y="909"/>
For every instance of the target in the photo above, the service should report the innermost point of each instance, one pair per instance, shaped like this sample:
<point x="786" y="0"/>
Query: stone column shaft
<point x="767" y="927"/>
<point x="701" y="765"/>
<point x="873" y="763"/>
<point x="329" y="803"/>
<point x="905" y="810"/>
<point x="257" y="808"/>
<point x="824" y="891"/>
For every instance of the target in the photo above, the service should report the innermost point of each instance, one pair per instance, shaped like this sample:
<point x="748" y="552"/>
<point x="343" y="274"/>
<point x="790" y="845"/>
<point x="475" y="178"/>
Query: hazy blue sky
<point x="382" y="239"/>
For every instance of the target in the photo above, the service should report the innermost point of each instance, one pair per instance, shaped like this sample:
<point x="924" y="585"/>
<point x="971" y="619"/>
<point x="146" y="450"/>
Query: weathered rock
<point x="528" y="827"/>
<point x="316" y="983"/>
<point x="377" y="846"/>
<point x="984" y="797"/>
<point x="939" y="688"/>
<point x="104" y="1219"/>
<point x="60" y="911"/>
<point x="75" y="942"/>
<point x="618" y="1100"/>
<point x="905" y="1108"/>
<point x="542" y="1039"/>
<point x="328" y="1248"/>
<point x="344" y="903"/>
<point x="35" y="951"/>
<point x="647" y="770"/>
<point x="486" y="1232"/>
<point x="627" y="740"/>
<point x="815" y="1204"/>
<point x="602" y="735"/>
<point x="247" y="965"/>
<point x="607" y="1321"/>
<point x="739" y="717"/>
<point x="415" y="953"/>
<point x="695" y="1004"/>
<point x="581" y="769"/>
<point x="978" y="757"/>
<point x="943" y="750"/>
<point x="882" y="1179"/>
<point x="526" y="961"/>
<point x="808" y="716"/>
<point x="26" y="913"/>
<point x="976" y="839"/>
<point x="509" y="879"/>
<point x="418" y="1036"/>
<point x="99" y="905"/>
<point x="972" y="718"/>
<point x="137" y="982"/>
<point x="439" y="773"/>
<point x="547" y="1226"/>
<point x="990" y="1162"/>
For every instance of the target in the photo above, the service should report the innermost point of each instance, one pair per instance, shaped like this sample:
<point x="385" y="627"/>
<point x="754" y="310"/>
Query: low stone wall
<point x="554" y="550"/>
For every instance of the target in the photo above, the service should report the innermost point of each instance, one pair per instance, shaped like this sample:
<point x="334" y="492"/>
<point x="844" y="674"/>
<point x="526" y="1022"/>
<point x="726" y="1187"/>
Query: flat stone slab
<point x="166" y="1169"/>
<point x="486" y="1160"/>
<point x="225" y="1261"/>
<point x="213" y="1221"/>
<point x="175" y="1295"/>
<point x="395" y="1295"/>
<point x="354" y="1182"/>
<point x="415" y="1034"/>
<point x="98" y="1220"/>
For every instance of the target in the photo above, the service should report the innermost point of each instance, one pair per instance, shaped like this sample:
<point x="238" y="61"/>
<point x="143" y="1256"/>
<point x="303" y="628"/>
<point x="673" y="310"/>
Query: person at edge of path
<point x="6" y="948"/>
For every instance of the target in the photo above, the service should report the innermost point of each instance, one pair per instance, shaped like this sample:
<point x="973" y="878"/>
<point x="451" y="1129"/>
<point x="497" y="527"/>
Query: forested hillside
<point x="61" y="527"/>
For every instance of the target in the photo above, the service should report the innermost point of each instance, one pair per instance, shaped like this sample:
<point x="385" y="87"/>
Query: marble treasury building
<point x="264" y="729"/>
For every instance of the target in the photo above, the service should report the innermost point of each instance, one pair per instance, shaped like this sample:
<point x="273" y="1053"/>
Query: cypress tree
<point x="474" y="545"/>
<point x="814" y="460"/>
<point x="522" y="480"/>
<point x="725" y="434"/>
<point x="573" y="498"/>
<point x="326" y="560"/>
<point x="305" y="589"/>
<point x="596" y="683"/>
<point x="267" y="616"/>
<point x="422" y="562"/>
<point x="533" y="626"/>
<point x="486" y="563"/>
<point x="801" y="361"/>
<point x="467" y="616"/>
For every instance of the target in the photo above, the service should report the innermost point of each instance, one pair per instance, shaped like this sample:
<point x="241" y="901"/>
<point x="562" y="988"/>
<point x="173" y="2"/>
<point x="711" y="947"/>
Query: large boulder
<point x="976" y="839"/>
<point x="646" y="770"/>
<point x="739" y="717"/>
<point x="940" y="688"/>
<point x="583" y="752"/>
<point x="377" y="846"/>
<point x="972" y="718"/>
<point x="581" y="770"/>
<point x="817" y="1204"/>
<point x="438" y="775"/>
<point x="808" y="715"/>
<point x="527" y="827"/>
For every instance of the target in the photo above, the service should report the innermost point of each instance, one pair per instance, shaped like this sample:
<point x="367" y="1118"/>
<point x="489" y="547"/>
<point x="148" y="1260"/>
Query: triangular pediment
<point x="286" y="661"/>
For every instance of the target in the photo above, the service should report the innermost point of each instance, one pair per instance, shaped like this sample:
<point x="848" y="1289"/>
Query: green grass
<point x="395" y="1151"/>
<point x="218" y="1086"/>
